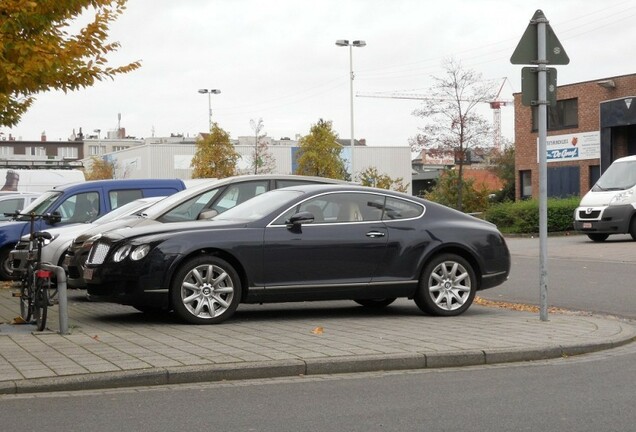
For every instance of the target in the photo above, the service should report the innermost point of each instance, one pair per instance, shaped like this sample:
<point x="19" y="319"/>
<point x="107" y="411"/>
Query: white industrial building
<point x="170" y="160"/>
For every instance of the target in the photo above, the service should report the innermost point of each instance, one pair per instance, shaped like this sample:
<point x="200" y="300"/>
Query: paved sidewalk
<point x="116" y="346"/>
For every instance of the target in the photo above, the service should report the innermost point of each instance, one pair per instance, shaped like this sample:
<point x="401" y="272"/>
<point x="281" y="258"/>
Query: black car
<point x="319" y="242"/>
<point x="203" y="200"/>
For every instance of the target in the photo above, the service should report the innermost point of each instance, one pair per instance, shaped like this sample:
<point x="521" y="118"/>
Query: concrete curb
<point x="288" y="368"/>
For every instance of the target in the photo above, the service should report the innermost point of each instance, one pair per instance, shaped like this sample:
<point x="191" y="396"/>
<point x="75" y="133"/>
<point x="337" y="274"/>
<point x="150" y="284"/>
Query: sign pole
<point x="543" y="170"/>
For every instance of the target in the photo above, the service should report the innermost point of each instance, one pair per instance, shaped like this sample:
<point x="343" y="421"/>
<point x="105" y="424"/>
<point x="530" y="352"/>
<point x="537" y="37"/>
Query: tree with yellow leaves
<point x="99" y="169"/>
<point x="319" y="153"/>
<point x="39" y="53"/>
<point x="215" y="156"/>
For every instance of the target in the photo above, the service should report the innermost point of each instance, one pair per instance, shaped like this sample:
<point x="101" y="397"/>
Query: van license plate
<point x="88" y="273"/>
<point x="587" y="225"/>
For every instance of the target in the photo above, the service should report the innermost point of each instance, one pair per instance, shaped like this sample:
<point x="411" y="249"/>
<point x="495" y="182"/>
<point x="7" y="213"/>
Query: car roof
<point x="117" y="183"/>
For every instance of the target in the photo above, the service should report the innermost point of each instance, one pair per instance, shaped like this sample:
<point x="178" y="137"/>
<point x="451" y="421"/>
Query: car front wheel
<point x="447" y="286"/>
<point x="596" y="237"/>
<point x="206" y="290"/>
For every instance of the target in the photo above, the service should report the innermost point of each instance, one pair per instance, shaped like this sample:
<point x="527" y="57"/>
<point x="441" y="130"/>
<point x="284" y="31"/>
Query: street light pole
<point x="210" y="92"/>
<point x="359" y="44"/>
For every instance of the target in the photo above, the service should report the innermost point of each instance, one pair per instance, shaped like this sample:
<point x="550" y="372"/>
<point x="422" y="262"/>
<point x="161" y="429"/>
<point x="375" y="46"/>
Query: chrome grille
<point x="594" y="214"/>
<point x="98" y="253"/>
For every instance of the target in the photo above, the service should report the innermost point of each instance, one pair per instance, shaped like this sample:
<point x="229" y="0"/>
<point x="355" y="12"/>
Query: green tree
<point x="372" y="177"/>
<point x="452" y="123"/>
<point x="99" y="169"/>
<point x="215" y="156"/>
<point x="504" y="168"/>
<point x="39" y="53"/>
<point x="445" y="192"/>
<point x="319" y="153"/>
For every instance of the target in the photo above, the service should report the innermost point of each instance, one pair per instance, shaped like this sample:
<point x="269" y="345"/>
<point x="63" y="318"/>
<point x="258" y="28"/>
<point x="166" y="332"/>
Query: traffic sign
<point x="530" y="86"/>
<point x="526" y="51"/>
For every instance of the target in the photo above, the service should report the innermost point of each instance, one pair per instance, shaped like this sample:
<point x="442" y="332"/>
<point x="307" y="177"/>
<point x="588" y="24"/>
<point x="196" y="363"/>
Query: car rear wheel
<point x="206" y="290"/>
<point x="378" y="303"/>
<point x="447" y="286"/>
<point x="598" y="237"/>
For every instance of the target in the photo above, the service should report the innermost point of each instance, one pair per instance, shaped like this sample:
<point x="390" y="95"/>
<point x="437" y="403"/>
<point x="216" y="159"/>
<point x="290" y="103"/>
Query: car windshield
<point x="40" y="205"/>
<point x="157" y="209"/>
<point x="619" y="176"/>
<point x="259" y="206"/>
<point x="131" y="208"/>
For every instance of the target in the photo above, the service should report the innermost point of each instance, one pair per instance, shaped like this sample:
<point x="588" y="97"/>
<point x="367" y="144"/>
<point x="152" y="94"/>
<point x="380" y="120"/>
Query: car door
<point x="344" y="245"/>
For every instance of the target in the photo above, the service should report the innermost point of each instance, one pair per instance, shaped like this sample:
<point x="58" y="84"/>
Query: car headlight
<point x="140" y="252"/>
<point x="122" y="253"/>
<point x="622" y="197"/>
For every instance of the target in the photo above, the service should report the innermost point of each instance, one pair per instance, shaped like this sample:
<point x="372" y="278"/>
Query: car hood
<point x="152" y="227"/>
<point x="598" y="199"/>
<point x="109" y="226"/>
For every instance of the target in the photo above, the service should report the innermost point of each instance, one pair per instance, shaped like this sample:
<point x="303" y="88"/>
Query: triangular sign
<point x="526" y="52"/>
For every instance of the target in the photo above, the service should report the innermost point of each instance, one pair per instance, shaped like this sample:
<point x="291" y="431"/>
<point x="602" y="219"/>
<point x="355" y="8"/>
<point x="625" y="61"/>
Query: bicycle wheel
<point x="26" y="303"/>
<point x="41" y="303"/>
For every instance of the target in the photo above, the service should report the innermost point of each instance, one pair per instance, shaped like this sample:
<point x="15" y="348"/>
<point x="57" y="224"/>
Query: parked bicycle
<point x="35" y="282"/>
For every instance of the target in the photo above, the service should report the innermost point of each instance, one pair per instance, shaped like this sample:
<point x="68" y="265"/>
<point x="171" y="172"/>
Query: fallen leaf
<point x="18" y="320"/>
<point x="96" y="337"/>
<point x="318" y="330"/>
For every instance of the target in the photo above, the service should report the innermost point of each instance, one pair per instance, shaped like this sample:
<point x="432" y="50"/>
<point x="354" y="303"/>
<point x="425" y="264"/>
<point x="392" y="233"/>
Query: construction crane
<point x="495" y="105"/>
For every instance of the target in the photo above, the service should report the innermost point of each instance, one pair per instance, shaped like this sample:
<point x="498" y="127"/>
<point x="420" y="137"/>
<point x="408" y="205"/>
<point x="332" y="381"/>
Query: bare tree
<point x="452" y="123"/>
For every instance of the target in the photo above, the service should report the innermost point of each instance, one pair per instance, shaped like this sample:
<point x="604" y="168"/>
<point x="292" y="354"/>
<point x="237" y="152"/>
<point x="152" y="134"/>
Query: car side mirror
<point x="207" y="214"/>
<point x="300" y="218"/>
<point x="54" y="217"/>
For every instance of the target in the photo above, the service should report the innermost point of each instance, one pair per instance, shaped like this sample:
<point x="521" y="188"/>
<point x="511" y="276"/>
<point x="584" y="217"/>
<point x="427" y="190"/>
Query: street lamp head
<point x="215" y="91"/>
<point x="359" y="43"/>
<point x="203" y="91"/>
<point x="342" y="42"/>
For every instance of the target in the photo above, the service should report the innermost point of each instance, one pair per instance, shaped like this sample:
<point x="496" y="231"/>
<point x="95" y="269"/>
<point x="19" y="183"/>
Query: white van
<point x="38" y="180"/>
<point x="610" y="206"/>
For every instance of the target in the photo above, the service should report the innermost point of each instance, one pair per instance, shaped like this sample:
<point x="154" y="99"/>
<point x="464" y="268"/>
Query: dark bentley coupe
<point x="302" y="243"/>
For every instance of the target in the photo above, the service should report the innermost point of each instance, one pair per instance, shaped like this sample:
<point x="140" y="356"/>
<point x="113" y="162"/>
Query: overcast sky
<point x="277" y="60"/>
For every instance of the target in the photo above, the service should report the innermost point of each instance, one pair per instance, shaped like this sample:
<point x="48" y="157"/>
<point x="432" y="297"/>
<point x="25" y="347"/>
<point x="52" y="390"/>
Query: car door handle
<point x="374" y="234"/>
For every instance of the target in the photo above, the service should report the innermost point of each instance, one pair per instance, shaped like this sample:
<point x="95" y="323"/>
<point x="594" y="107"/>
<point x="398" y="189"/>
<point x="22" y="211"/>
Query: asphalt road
<point x="583" y="393"/>
<point x="581" y="274"/>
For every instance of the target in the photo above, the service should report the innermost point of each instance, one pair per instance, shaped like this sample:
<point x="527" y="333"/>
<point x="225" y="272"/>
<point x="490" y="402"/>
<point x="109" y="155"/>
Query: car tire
<point x="205" y="290"/>
<point x="598" y="237"/>
<point x="632" y="228"/>
<point x="378" y="303"/>
<point x="6" y="266"/>
<point x="447" y="286"/>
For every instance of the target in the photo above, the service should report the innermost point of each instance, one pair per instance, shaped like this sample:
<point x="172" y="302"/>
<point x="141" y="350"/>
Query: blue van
<point x="79" y="203"/>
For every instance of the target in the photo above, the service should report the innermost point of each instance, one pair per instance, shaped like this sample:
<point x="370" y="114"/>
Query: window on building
<point x="6" y="150"/>
<point x="525" y="180"/>
<point x="594" y="175"/>
<point x="562" y="116"/>
<point x="96" y="150"/>
<point x="118" y="148"/>
<point x="35" y="151"/>
<point x="67" y="152"/>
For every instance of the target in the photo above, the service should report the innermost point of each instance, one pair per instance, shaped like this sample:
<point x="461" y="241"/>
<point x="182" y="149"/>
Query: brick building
<point x="592" y="124"/>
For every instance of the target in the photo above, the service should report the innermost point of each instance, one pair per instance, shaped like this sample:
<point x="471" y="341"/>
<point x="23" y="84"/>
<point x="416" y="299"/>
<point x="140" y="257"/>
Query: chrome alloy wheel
<point x="449" y="285"/>
<point x="207" y="291"/>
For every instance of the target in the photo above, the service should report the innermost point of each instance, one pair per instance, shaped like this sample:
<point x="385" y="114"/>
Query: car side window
<point x="286" y="183"/>
<point x="189" y="210"/>
<point x="238" y="193"/>
<point x="120" y="197"/>
<point x="339" y="208"/>
<point x="79" y="208"/>
<point x="10" y="206"/>
<point x="400" y="209"/>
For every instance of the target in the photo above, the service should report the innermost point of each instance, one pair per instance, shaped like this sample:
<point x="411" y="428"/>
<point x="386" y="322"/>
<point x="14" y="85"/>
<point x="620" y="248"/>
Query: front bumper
<point x="604" y="220"/>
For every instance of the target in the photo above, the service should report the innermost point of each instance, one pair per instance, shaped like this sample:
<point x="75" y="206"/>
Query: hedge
<point x="523" y="216"/>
